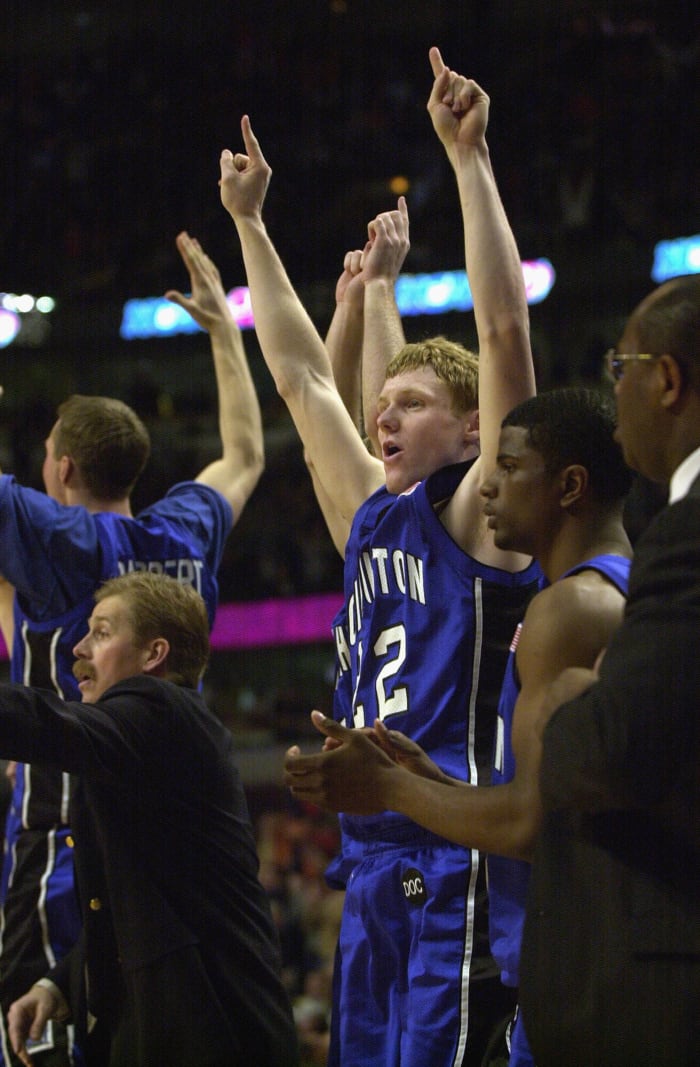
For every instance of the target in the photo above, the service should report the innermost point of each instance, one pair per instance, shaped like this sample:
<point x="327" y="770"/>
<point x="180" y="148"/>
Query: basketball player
<point x="431" y="602"/>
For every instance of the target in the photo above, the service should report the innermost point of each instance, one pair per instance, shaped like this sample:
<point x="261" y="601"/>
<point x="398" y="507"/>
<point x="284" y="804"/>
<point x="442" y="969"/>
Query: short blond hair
<point x="452" y="363"/>
<point x="160" y="606"/>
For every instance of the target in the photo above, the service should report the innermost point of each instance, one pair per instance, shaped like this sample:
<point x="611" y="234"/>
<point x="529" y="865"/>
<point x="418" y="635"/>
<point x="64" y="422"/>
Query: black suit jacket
<point x="166" y="870"/>
<point x="610" y="969"/>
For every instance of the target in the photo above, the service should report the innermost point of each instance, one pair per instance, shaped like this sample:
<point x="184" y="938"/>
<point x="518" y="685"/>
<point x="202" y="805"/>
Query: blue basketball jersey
<point x="423" y="635"/>
<point x="421" y="642"/>
<point x="508" y="879"/>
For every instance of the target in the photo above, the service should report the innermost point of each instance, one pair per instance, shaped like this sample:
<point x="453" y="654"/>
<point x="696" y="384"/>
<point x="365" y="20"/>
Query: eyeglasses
<point x="615" y="361"/>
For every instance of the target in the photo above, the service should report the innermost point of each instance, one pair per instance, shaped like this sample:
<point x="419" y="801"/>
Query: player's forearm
<point x="237" y="472"/>
<point x="290" y="344"/>
<point x="383" y="338"/>
<point x="344" y="347"/>
<point x="299" y="364"/>
<point x="240" y="421"/>
<point x="490" y="818"/>
<point x="506" y="374"/>
<point x="492" y="259"/>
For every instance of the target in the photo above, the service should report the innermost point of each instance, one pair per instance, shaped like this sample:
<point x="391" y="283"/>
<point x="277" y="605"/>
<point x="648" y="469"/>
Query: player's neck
<point x="581" y="541"/>
<point x="96" y="505"/>
<point x="115" y="507"/>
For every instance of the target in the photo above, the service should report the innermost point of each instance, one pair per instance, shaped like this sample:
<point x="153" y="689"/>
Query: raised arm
<point x="337" y="527"/>
<point x="293" y="350"/>
<point x="383" y="337"/>
<point x="366" y="331"/>
<point x="344" y="347"/>
<point x="344" y="337"/>
<point x="459" y="111"/>
<point x="237" y="472"/>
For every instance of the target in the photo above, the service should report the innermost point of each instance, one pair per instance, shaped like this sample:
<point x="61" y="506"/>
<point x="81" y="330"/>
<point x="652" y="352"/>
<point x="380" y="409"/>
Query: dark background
<point x="112" y="120"/>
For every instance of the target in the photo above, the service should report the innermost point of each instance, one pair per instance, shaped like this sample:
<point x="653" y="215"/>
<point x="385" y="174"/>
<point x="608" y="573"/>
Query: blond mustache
<point x="82" y="669"/>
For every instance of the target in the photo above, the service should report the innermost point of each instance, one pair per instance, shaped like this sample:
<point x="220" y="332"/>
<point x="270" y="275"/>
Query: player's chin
<point x="400" y="481"/>
<point x="502" y="540"/>
<point x="394" y="485"/>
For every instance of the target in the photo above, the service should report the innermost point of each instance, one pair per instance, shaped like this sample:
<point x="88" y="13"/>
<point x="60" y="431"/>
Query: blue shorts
<point x="405" y="957"/>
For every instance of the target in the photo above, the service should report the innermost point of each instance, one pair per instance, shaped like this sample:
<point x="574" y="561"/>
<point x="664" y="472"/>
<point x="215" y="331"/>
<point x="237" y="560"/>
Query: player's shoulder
<point x="589" y="586"/>
<point x="573" y="611"/>
<point x="25" y="499"/>
<point x="189" y="497"/>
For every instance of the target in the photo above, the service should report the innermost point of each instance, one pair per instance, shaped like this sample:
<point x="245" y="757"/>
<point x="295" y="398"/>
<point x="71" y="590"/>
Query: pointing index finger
<point x="436" y="61"/>
<point x="249" y="139"/>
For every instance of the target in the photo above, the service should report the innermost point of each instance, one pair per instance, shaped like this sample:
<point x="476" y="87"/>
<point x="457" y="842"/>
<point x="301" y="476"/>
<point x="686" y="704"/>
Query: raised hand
<point x="382" y="257"/>
<point x="388" y="244"/>
<point x="245" y="176"/>
<point x="350" y="284"/>
<point x="458" y="107"/>
<point x="207" y="304"/>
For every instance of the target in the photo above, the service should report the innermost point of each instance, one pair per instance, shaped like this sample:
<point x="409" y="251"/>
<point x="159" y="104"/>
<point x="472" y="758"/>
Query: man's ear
<point x="66" y="469"/>
<point x="471" y="436"/>
<point x="574" y="481"/>
<point x="156" y="656"/>
<point x="671" y="380"/>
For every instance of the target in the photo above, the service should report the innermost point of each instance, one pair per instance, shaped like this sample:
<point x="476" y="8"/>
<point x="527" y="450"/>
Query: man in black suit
<point x="610" y="968"/>
<point x="179" y="948"/>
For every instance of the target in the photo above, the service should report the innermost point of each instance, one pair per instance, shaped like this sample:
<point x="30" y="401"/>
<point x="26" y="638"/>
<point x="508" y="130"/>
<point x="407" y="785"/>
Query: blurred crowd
<point x="295" y="846"/>
<point x="110" y="142"/>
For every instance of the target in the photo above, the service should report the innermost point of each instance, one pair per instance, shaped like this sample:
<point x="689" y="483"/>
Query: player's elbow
<point x="289" y="381"/>
<point x="255" y="463"/>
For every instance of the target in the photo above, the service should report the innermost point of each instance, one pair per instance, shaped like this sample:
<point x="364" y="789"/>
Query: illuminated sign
<point x="675" y="257"/>
<point x="270" y="623"/>
<point x="157" y="317"/>
<point x="433" y="294"/>
<point x="416" y="294"/>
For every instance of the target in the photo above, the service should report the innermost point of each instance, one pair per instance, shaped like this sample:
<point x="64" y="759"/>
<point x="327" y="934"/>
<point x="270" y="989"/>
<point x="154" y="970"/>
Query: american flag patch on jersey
<point x="516" y="637"/>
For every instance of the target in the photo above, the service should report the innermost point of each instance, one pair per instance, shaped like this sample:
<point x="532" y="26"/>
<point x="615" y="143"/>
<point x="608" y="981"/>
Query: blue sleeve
<point x="50" y="552"/>
<point x="202" y="512"/>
